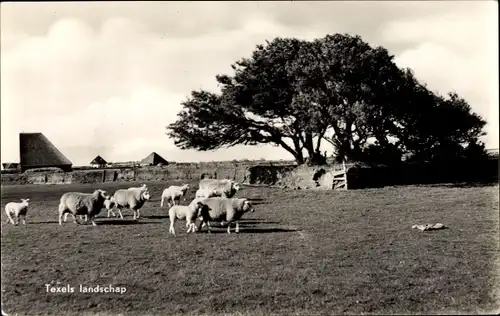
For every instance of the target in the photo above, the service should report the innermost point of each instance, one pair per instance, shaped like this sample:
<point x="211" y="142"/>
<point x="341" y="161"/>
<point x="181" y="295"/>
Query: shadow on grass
<point x="124" y="222"/>
<point x="157" y="216"/>
<point x="249" y="230"/>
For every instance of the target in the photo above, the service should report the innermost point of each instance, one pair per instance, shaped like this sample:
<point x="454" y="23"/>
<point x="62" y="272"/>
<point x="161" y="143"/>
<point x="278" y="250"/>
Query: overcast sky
<point x="106" y="78"/>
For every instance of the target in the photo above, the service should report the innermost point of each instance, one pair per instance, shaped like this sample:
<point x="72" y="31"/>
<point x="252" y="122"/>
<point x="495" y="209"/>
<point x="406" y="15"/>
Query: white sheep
<point x="174" y="193"/>
<point x="223" y="187"/>
<point x="218" y="209"/>
<point x="17" y="210"/>
<point x="133" y="199"/>
<point x="185" y="212"/>
<point x="76" y="203"/>
<point x="206" y="193"/>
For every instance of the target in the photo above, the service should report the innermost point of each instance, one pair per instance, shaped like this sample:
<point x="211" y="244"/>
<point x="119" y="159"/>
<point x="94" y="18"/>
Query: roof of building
<point x="36" y="150"/>
<point x="98" y="161"/>
<point x="153" y="159"/>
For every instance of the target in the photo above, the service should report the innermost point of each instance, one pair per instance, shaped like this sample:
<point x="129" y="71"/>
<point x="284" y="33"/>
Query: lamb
<point x="173" y="193"/>
<point x="190" y="213"/>
<point x="225" y="188"/>
<point x="206" y="193"/>
<point x="109" y="205"/>
<point x="223" y="209"/>
<point x="77" y="203"/>
<point x="133" y="199"/>
<point x="17" y="210"/>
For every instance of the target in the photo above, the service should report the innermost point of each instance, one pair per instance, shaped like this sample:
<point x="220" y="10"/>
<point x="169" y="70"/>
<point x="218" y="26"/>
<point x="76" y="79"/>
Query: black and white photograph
<point x="249" y="158"/>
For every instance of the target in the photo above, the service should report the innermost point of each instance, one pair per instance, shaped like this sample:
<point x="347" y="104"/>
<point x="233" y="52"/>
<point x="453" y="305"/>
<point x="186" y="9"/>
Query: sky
<point x="107" y="77"/>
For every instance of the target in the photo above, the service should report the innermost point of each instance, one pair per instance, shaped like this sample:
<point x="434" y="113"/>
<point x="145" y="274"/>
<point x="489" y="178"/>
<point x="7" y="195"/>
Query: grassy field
<point x="300" y="253"/>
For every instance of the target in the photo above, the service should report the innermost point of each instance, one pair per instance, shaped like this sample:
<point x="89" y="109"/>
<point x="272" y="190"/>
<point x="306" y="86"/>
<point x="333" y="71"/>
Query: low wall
<point x="358" y="176"/>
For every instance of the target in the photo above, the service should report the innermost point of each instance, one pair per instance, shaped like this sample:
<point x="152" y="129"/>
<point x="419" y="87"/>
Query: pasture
<point x="300" y="253"/>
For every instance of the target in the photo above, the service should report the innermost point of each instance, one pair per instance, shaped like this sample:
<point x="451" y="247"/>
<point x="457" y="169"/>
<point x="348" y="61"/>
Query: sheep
<point x="132" y="199"/>
<point x="174" y="193"/>
<point x="224" y="188"/>
<point x="17" y="210"/>
<point x="108" y="204"/>
<point x="224" y="209"/>
<point x="190" y="213"/>
<point x="77" y="203"/>
<point x="206" y="193"/>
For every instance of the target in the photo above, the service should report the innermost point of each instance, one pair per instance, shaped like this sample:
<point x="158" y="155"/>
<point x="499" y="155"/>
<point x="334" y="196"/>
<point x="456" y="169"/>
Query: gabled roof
<point x="153" y="159"/>
<point x="37" y="151"/>
<point x="98" y="161"/>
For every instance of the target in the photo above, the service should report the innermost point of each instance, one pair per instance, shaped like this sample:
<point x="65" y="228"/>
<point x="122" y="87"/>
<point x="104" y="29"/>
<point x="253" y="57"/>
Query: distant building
<point x="98" y="162"/>
<point x="36" y="151"/>
<point x="10" y="166"/>
<point x="153" y="160"/>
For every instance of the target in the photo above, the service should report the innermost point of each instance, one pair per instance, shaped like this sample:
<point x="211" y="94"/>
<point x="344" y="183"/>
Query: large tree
<point x="295" y="94"/>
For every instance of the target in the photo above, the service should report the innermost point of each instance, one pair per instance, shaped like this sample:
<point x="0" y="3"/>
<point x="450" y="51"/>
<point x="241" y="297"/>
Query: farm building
<point x="36" y="151"/>
<point x="10" y="166"/>
<point x="98" y="162"/>
<point x="153" y="160"/>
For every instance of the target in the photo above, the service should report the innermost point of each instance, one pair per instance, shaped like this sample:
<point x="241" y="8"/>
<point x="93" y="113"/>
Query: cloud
<point x="106" y="78"/>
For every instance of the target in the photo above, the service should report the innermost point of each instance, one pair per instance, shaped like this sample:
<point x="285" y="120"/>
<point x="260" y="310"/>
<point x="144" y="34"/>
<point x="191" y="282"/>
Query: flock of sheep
<point x="213" y="202"/>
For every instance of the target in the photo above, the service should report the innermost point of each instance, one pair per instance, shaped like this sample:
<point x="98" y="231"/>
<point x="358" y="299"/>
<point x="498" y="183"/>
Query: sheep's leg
<point x="24" y="219"/>
<point x="92" y="217"/>
<point x="10" y="218"/>
<point x="208" y="226"/>
<point x="111" y="211"/>
<point x="75" y="220"/>
<point x="62" y="211"/>
<point x="66" y="217"/>
<point x="237" y="230"/>
<point x="138" y="213"/>
<point x="171" y="229"/>
<point x="162" y="198"/>
<point x="120" y="212"/>
<point x="229" y="228"/>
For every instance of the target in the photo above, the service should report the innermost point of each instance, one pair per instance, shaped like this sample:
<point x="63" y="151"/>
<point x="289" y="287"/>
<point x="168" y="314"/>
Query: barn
<point x="98" y="162"/>
<point x="36" y="151"/>
<point x="153" y="160"/>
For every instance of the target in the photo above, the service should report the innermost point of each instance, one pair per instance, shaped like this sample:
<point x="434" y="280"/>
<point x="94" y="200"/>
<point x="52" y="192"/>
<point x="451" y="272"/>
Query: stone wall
<point x="284" y="174"/>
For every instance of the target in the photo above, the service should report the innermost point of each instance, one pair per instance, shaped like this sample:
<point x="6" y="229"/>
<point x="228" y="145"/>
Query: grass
<point x="300" y="253"/>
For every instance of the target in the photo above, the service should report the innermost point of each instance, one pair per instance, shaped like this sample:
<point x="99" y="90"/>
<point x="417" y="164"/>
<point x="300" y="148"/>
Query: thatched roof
<point x="36" y="151"/>
<point x="153" y="159"/>
<point x="98" y="161"/>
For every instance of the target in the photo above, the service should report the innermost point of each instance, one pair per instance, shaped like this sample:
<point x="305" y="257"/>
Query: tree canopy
<point x="295" y="94"/>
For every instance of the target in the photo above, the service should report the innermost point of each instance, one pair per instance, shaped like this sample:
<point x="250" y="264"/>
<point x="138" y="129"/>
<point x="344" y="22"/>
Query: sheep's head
<point x="25" y="201"/>
<point x="198" y="208"/>
<point x="145" y="195"/>
<point x="236" y="186"/>
<point x="102" y="194"/>
<point x="247" y="206"/>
